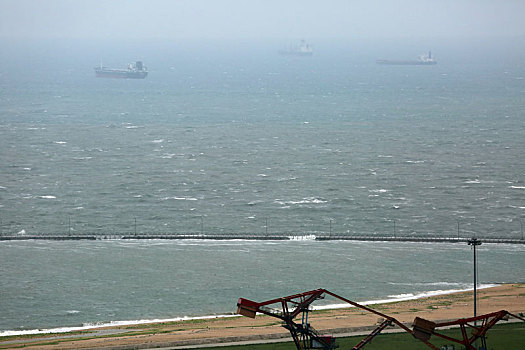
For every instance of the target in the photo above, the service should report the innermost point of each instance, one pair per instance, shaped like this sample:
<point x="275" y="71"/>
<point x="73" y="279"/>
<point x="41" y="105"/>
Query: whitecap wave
<point x="476" y="181"/>
<point x="307" y="200"/>
<point x="180" y="198"/>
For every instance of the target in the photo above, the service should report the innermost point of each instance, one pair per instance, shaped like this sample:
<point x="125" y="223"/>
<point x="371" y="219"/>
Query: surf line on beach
<point x="87" y="326"/>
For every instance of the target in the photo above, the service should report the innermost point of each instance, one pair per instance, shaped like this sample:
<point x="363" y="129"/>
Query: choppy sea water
<point x="57" y="284"/>
<point x="218" y="140"/>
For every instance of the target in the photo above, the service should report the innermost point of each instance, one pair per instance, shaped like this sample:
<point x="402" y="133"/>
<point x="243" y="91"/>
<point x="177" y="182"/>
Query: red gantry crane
<point x="306" y="337"/>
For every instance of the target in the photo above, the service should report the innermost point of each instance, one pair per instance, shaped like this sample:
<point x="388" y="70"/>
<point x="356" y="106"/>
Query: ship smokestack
<point x="138" y="65"/>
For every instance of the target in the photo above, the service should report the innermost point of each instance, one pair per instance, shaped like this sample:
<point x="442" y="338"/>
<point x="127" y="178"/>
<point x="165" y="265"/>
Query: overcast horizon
<point x="238" y="20"/>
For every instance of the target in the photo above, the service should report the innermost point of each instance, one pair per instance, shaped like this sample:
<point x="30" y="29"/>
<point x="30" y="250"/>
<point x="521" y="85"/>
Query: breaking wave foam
<point x="405" y="297"/>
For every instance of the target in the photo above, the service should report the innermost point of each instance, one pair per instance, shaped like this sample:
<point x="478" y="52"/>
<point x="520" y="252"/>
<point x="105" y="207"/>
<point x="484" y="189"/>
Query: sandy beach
<point x="510" y="297"/>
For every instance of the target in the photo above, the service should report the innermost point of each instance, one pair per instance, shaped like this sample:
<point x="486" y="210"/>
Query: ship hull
<point x="295" y="53"/>
<point x="120" y="74"/>
<point x="406" y="63"/>
<point x="135" y="71"/>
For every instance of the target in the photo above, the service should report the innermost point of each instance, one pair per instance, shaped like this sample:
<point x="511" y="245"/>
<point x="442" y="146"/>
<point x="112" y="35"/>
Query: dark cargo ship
<point x="134" y="71"/>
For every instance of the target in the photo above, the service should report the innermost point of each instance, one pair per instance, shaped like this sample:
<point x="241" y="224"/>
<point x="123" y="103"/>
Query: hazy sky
<point x="260" y="18"/>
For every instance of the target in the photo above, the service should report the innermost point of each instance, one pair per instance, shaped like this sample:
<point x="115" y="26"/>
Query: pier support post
<point x="394" y="228"/>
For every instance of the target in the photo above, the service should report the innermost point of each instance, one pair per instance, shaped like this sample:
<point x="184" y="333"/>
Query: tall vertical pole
<point x="521" y="226"/>
<point x="475" y="298"/>
<point x="458" y="229"/>
<point x="135" y="226"/>
<point x="475" y="242"/>
<point x="69" y="227"/>
<point x="202" y="225"/>
<point x="330" y="227"/>
<point x="266" y="226"/>
<point x="475" y="285"/>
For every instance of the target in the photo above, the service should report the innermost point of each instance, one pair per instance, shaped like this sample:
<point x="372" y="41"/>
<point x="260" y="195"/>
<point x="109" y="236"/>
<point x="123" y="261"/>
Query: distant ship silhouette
<point x="423" y="60"/>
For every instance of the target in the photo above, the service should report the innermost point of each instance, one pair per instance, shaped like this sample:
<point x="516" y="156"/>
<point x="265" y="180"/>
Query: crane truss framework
<point x="470" y="331"/>
<point x="306" y="337"/>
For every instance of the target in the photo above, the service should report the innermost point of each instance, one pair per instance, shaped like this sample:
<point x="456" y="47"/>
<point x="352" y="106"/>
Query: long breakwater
<point x="282" y="237"/>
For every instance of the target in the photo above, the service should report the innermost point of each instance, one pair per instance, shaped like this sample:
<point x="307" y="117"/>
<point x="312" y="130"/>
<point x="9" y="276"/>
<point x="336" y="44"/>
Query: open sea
<point x="229" y="138"/>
